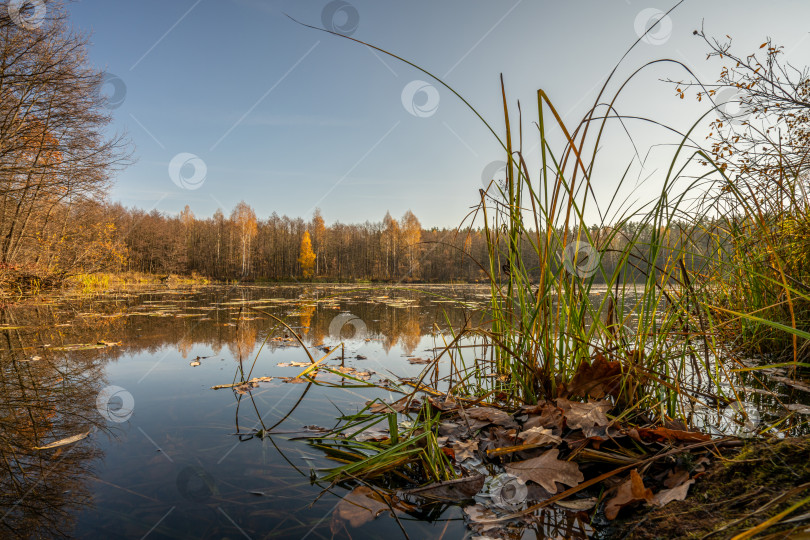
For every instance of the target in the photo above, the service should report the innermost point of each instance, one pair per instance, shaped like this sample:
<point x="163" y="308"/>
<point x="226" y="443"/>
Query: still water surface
<point x="163" y="458"/>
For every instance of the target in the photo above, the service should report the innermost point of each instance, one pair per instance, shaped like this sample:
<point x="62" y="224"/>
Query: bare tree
<point x="54" y="154"/>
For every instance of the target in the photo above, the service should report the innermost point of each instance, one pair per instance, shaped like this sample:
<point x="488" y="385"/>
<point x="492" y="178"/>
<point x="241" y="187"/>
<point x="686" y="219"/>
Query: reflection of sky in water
<point x="174" y="469"/>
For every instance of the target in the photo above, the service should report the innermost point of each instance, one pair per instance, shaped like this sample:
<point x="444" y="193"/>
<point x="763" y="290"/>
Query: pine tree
<point x="307" y="257"/>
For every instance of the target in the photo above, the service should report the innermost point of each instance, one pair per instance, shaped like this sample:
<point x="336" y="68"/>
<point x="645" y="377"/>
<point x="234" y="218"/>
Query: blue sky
<point x="289" y="118"/>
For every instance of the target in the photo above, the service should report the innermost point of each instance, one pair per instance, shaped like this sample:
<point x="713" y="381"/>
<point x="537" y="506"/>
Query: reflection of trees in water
<point x="244" y="341"/>
<point x="42" y="401"/>
<point x="53" y="397"/>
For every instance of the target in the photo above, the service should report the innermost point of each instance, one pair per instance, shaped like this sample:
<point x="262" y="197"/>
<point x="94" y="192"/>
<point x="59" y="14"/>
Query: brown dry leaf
<point x="492" y="416"/>
<point x="700" y="464"/>
<point x="360" y="506"/>
<point x="546" y="470"/>
<point x="673" y="494"/>
<point x="451" y="490"/>
<point x="676" y="477"/>
<point x="578" y="504"/>
<point x="444" y="403"/>
<point x="244" y="388"/>
<point x="465" y="449"/>
<point x="419" y="361"/>
<point x="801" y="385"/>
<point x="596" y="379"/>
<point x="539" y="435"/>
<point x="584" y="415"/>
<point x="379" y="407"/>
<point x="478" y="513"/>
<point x="664" y="434"/>
<point x="798" y="407"/>
<point x="546" y="415"/>
<point x="632" y="491"/>
<point x="63" y="442"/>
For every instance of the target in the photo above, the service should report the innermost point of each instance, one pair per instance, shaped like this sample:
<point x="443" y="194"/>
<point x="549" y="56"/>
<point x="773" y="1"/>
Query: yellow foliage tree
<point x="307" y="257"/>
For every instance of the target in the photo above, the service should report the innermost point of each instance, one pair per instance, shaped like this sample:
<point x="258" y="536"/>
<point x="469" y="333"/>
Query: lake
<point x="168" y="456"/>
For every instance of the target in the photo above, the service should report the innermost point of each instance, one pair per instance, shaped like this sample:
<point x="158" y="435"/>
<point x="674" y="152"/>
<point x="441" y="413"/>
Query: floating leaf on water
<point x="398" y="406"/>
<point x="630" y="492"/>
<point x="194" y="363"/>
<point x="798" y="407"/>
<point x="63" y="442"/>
<point x="362" y="505"/>
<point x="293" y="364"/>
<point x="800" y="385"/>
<point x="479" y="513"/>
<point x="79" y="347"/>
<point x="546" y="470"/>
<point x="419" y="361"/>
<point x="316" y="429"/>
<point x="245" y="388"/>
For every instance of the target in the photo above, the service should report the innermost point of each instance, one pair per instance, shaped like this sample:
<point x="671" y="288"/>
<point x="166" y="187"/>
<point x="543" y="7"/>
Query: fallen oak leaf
<point x="492" y="415"/>
<point x="676" y="477"/>
<point x="630" y="492"/>
<point x="546" y="470"/>
<point x="677" y="493"/>
<point x="584" y="415"/>
<point x="443" y="404"/>
<point x="465" y="450"/>
<point x="596" y="379"/>
<point x="539" y="436"/>
<point x="665" y="434"/>
<point x="546" y="415"/>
